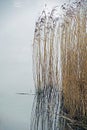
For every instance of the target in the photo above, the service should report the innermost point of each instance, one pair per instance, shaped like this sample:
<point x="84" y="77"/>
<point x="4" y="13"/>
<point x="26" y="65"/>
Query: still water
<point x="15" y="111"/>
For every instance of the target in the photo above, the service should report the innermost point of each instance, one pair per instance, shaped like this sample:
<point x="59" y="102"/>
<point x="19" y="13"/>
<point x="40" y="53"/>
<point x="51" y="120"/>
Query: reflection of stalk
<point x="46" y="106"/>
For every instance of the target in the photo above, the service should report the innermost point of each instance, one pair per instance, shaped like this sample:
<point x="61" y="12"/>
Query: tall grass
<point x="46" y="73"/>
<point x="45" y="53"/>
<point x="60" y="66"/>
<point x="74" y="62"/>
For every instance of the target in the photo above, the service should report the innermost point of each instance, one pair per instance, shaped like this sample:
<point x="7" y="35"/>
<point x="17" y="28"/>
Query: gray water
<point x="15" y="111"/>
<point x="17" y="20"/>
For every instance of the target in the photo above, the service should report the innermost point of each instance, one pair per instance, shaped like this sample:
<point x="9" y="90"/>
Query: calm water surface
<point x="15" y="111"/>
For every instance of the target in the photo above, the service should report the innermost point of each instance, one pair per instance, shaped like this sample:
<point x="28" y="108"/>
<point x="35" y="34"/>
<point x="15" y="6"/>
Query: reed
<point x="45" y="52"/>
<point x="46" y="73"/>
<point x="60" y="66"/>
<point x="74" y="62"/>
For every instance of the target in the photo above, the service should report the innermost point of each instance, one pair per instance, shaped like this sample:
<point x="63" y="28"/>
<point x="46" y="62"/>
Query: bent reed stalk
<point x="60" y="67"/>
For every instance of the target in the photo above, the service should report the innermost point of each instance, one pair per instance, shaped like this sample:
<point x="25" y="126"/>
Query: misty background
<point x="17" y="23"/>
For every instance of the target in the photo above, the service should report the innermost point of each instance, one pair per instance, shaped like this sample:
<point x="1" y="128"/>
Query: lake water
<point x="15" y="111"/>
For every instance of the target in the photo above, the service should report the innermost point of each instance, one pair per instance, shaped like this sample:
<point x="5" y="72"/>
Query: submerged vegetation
<point x="60" y="69"/>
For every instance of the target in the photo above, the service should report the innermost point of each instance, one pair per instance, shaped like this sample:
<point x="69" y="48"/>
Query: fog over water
<point x="17" y="20"/>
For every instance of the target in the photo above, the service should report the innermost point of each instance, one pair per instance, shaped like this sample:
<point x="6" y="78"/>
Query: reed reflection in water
<point x="46" y="110"/>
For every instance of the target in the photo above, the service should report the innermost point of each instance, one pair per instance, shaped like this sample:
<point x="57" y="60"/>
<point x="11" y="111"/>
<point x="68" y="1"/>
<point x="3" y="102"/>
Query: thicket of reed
<point x="60" y="65"/>
<point x="46" y="74"/>
<point x="74" y="61"/>
<point x="45" y="55"/>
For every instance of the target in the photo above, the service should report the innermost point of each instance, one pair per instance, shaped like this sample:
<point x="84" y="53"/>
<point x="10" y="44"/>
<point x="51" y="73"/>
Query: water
<point x="15" y="111"/>
<point x="46" y="110"/>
